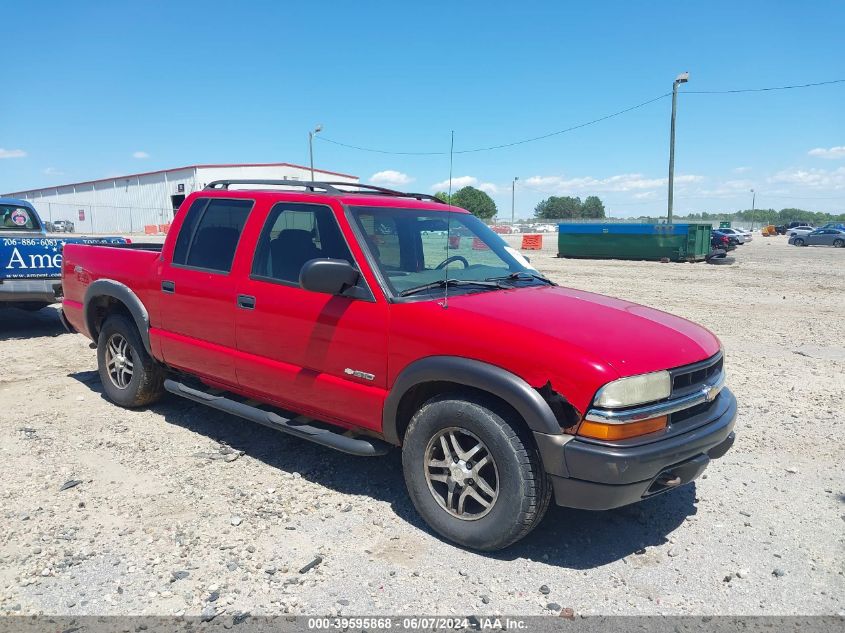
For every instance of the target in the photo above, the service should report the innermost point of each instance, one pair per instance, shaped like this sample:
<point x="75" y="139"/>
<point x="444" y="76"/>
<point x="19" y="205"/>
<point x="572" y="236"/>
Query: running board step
<point x="298" y="427"/>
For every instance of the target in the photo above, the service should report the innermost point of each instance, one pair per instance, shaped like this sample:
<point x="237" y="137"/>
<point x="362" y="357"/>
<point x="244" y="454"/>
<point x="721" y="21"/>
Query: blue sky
<point x="100" y="89"/>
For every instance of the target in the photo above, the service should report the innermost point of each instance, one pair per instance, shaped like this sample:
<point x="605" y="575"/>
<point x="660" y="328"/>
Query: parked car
<point x="30" y="261"/>
<point x="721" y="241"/>
<point x="733" y="240"/>
<point x="800" y="230"/>
<point x="63" y="226"/>
<point x="834" y="225"/>
<point x="741" y="237"/>
<point x="595" y="401"/>
<point x="820" y="237"/>
<point x="749" y="235"/>
<point x="783" y="229"/>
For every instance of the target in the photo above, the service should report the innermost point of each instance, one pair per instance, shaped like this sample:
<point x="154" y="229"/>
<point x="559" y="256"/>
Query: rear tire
<point x="495" y="455"/>
<point x="838" y="243"/>
<point x="130" y="376"/>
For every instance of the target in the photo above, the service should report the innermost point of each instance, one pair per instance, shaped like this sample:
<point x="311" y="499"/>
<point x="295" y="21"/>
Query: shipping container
<point x="677" y="242"/>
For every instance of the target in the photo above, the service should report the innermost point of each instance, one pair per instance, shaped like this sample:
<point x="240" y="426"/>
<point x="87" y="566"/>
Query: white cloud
<point x="645" y="195"/>
<point x="52" y="171"/>
<point x="814" y="178"/>
<point x="457" y="183"/>
<point x="390" y="177"/>
<point x="619" y="182"/>
<point x="741" y="170"/>
<point x="832" y="153"/>
<point x="489" y="187"/>
<point x="12" y="153"/>
<point x="140" y="155"/>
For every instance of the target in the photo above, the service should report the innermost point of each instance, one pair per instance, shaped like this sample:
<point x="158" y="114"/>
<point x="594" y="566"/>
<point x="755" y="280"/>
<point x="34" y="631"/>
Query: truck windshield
<point x="14" y="217"/>
<point x="417" y="250"/>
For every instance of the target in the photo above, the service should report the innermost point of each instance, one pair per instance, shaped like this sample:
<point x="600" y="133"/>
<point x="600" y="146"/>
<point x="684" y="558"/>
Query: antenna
<point x="445" y="303"/>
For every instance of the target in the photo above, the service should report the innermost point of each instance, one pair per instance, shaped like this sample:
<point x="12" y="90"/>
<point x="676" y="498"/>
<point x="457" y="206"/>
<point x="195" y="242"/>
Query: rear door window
<point x="210" y="233"/>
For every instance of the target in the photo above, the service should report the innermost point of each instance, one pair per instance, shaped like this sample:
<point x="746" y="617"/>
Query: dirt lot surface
<point x="183" y="510"/>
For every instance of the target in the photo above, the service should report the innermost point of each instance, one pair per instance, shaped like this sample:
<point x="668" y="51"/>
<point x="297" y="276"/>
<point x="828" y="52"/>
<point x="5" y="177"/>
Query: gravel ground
<point x="179" y="509"/>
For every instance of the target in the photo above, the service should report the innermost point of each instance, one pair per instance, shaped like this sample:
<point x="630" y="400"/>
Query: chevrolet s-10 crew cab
<point x="359" y="318"/>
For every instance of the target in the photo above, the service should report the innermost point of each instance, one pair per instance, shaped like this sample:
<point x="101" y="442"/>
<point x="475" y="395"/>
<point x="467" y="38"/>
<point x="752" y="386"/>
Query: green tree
<point x="593" y="207"/>
<point x="475" y="201"/>
<point x="442" y="196"/>
<point x="558" y="207"/>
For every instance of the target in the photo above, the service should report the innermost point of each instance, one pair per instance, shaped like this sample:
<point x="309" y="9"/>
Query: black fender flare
<point x="526" y="400"/>
<point x="120" y="292"/>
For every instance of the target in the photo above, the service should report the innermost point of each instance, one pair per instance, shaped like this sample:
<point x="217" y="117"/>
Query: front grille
<point x="693" y="377"/>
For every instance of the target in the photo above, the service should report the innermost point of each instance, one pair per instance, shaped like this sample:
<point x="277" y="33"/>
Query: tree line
<point x="480" y="204"/>
<point x="758" y="216"/>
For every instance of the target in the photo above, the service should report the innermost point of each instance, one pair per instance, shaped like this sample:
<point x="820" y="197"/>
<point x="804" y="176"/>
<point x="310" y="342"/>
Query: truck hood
<point x="626" y="337"/>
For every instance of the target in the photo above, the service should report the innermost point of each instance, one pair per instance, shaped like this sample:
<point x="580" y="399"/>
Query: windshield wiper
<point x="443" y="283"/>
<point x="523" y="274"/>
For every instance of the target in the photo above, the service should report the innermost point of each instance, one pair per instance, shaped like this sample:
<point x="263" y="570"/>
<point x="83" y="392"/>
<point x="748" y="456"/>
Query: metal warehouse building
<point x="126" y="204"/>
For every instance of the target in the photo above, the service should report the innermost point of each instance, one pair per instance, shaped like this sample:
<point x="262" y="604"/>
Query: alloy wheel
<point x="461" y="474"/>
<point x="119" y="361"/>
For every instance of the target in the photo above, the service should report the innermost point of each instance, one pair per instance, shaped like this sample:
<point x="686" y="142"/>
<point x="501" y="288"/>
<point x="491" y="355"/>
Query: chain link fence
<point x="92" y="219"/>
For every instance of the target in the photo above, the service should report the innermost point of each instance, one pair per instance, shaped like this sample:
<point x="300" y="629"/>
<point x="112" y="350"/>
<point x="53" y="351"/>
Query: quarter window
<point x="210" y="233"/>
<point x="294" y="234"/>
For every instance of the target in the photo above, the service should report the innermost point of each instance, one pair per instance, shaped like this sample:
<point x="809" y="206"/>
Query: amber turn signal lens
<point x="603" y="431"/>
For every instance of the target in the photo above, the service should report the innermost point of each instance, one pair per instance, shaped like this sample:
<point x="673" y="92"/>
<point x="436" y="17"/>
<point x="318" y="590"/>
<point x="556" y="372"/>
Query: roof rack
<point x="331" y="188"/>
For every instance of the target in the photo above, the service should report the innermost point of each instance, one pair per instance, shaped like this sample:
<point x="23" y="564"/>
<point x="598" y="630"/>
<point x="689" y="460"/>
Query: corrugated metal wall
<point x="125" y="204"/>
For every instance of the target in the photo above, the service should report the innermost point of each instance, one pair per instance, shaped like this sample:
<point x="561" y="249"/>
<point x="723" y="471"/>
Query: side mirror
<point x="329" y="276"/>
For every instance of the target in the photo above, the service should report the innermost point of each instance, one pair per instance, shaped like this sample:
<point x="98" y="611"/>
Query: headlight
<point x="627" y="392"/>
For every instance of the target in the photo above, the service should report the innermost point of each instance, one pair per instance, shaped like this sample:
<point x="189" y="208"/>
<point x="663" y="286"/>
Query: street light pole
<point x="680" y="79"/>
<point x="513" y="200"/>
<point x="311" y="134"/>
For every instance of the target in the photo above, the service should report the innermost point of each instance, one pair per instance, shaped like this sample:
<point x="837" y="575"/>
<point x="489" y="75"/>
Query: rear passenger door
<point x="197" y="303"/>
<point x="318" y="354"/>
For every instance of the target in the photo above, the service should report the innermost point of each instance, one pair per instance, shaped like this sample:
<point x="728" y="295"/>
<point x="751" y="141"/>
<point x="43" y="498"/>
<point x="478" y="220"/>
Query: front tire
<point x="473" y="472"/>
<point x="130" y="376"/>
<point x="798" y="242"/>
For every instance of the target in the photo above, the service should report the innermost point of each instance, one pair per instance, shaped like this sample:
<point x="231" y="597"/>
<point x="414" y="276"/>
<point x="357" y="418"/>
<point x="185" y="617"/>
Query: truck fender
<point x="472" y="373"/>
<point x="122" y="293"/>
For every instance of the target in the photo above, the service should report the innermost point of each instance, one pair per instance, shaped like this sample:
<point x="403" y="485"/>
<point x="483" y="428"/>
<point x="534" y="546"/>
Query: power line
<point x="503" y="145"/>
<point x="725" y="92"/>
<point x="575" y="127"/>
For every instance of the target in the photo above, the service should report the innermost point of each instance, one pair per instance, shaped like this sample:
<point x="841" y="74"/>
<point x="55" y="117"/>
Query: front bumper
<point x="37" y="290"/>
<point x="595" y="475"/>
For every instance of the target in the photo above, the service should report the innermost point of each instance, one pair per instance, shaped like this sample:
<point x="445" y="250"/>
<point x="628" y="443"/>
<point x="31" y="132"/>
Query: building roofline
<point x="162" y="171"/>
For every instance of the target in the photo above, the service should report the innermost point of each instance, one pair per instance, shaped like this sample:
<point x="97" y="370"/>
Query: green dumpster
<point x="677" y="242"/>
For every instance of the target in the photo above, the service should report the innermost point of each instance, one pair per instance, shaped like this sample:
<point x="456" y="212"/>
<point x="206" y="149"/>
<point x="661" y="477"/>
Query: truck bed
<point x="130" y="264"/>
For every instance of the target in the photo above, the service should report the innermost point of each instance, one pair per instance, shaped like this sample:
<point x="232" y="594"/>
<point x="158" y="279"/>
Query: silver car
<point x="820" y="237"/>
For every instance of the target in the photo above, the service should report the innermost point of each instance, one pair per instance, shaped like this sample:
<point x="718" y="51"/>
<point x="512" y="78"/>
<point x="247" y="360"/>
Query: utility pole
<point x="513" y="200"/>
<point x="680" y="79"/>
<point x="753" y="201"/>
<point x="311" y="134"/>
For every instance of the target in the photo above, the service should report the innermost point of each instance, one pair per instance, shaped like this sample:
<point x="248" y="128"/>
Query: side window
<point x="209" y="236"/>
<point x="294" y="234"/>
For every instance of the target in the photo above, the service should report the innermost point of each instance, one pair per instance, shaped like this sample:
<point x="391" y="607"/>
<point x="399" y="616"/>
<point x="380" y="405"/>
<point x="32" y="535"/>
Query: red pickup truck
<point x="362" y="318"/>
